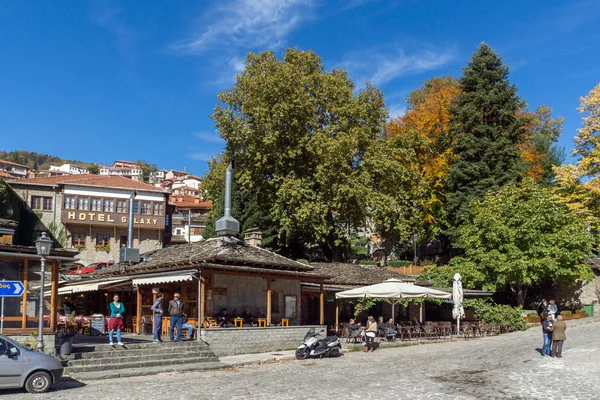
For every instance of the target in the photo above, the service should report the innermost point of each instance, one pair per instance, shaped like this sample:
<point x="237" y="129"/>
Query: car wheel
<point x="38" y="382"/>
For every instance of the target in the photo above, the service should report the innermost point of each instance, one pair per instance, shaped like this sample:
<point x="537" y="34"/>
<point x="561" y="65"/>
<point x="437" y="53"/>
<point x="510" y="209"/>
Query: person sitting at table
<point x="390" y="330"/>
<point x="261" y="313"/>
<point x="354" y="329"/>
<point x="224" y="319"/>
<point x="381" y="326"/>
<point x="236" y="313"/>
<point x="247" y="316"/>
<point x="186" y="325"/>
<point x="68" y="307"/>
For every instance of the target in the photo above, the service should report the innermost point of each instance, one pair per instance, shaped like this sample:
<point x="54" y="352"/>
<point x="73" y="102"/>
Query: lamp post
<point x="43" y="245"/>
<point x="415" y="238"/>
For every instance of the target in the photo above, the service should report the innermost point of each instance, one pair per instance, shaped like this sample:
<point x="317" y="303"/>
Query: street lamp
<point x="43" y="245"/>
<point x="415" y="238"/>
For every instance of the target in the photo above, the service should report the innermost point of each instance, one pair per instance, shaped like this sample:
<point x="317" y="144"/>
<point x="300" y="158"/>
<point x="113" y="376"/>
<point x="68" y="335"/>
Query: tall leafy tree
<point x="538" y="149"/>
<point x="519" y="235"/>
<point x="487" y="130"/>
<point x="422" y="135"/>
<point x="299" y="135"/>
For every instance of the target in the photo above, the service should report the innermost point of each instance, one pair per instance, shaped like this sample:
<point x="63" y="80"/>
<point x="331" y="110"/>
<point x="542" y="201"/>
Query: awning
<point x="162" y="279"/>
<point x="87" y="287"/>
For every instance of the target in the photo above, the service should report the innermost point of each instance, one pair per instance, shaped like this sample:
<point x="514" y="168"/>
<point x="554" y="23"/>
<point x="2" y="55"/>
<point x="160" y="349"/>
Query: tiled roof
<point x="12" y="163"/>
<point x="6" y="175"/>
<point x="13" y="248"/>
<point x="216" y="253"/>
<point x="346" y="274"/>
<point x="91" y="180"/>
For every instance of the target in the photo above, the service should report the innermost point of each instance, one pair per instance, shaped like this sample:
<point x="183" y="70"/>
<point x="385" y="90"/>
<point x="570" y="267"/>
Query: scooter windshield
<point x="310" y="333"/>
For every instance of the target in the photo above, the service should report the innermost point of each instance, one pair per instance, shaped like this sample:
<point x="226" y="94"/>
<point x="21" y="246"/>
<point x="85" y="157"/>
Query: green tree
<point x="299" y="136"/>
<point x="93" y="169"/>
<point x="519" y="235"/>
<point x="487" y="130"/>
<point x="147" y="170"/>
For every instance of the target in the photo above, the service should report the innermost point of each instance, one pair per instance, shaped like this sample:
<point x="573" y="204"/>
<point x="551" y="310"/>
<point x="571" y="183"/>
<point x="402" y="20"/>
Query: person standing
<point x="176" y="312"/>
<point x="552" y="309"/>
<point x="558" y="336"/>
<point x="158" y="310"/>
<point x="370" y="334"/>
<point x="117" y="309"/>
<point x="547" y="327"/>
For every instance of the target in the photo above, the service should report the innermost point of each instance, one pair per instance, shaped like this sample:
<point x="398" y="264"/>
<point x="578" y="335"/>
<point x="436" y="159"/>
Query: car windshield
<point x="92" y="265"/>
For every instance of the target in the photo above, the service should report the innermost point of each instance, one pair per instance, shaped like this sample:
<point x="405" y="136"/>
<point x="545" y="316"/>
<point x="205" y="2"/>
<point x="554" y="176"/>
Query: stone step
<point x="127" y="357"/>
<point x="157" y="349"/>
<point x="128" y="372"/>
<point x="133" y="346"/>
<point x="157" y="363"/>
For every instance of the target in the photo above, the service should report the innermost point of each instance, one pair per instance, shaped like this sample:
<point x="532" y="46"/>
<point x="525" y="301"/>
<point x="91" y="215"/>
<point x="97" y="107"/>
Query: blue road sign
<point x="11" y="289"/>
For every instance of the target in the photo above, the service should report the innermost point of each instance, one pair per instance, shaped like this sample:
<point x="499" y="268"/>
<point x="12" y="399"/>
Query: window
<point x="136" y="207"/>
<point x="196" y="230"/>
<point x="121" y="206"/>
<point x="82" y="203"/>
<point x="109" y="205"/>
<point x="102" y="239"/>
<point x="78" y="239"/>
<point x="96" y="204"/>
<point x="146" y="209"/>
<point x="158" y="209"/>
<point x="275" y="302"/>
<point x="69" y="202"/>
<point x="41" y="203"/>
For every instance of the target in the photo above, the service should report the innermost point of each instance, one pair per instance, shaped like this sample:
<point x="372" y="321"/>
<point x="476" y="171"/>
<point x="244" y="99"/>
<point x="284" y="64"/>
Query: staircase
<point x="104" y="361"/>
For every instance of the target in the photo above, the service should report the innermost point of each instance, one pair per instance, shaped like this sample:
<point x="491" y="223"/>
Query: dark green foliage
<point x="94" y="169"/>
<point x="14" y="208"/>
<point x="487" y="131"/>
<point x="488" y="312"/>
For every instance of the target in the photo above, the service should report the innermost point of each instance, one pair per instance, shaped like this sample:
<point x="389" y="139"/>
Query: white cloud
<point x="208" y="137"/>
<point x="379" y="68"/>
<point x="396" y="110"/>
<point x="230" y="70"/>
<point x="245" y="24"/>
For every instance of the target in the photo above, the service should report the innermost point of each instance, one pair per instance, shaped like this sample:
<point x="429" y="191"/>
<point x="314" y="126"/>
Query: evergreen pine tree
<point x="487" y="129"/>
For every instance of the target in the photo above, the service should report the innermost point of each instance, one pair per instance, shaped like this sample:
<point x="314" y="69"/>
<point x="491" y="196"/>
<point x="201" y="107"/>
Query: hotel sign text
<point x="99" y="218"/>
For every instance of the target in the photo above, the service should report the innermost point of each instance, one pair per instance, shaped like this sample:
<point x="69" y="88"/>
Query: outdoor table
<point x="262" y="322"/>
<point x="285" y="321"/>
<point x="238" y="322"/>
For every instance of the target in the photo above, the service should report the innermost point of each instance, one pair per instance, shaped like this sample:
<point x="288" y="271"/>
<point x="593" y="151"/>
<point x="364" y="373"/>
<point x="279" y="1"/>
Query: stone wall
<point x="232" y="341"/>
<point x="31" y="341"/>
<point x="246" y="291"/>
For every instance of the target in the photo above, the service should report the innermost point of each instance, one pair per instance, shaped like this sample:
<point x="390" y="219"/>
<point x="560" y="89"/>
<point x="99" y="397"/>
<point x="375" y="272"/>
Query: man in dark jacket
<point x="176" y="312"/>
<point x="558" y="336"/>
<point x="547" y="327"/>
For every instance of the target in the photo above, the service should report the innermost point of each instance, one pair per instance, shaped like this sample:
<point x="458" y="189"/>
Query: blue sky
<point x="104" y="80"/>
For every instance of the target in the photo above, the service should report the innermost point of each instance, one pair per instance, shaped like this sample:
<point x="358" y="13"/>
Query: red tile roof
<point x="12" y="163"/>
<point x="91" y="180"/>
<point x="186" y="201"/>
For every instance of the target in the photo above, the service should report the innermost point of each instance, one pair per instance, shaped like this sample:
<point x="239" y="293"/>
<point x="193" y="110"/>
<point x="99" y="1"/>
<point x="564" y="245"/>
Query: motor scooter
<point x="312" y="346"/>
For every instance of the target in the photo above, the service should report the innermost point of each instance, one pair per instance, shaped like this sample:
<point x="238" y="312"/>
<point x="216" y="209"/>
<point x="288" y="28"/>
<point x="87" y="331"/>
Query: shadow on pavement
<point x="65" y="385"/>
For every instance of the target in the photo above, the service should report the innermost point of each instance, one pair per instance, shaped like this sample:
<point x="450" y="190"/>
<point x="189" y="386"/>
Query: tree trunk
<point x="520" y="293"/>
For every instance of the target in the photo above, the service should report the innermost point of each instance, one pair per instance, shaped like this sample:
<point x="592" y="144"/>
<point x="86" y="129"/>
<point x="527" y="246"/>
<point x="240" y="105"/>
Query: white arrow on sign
<point x="18" y="288"/>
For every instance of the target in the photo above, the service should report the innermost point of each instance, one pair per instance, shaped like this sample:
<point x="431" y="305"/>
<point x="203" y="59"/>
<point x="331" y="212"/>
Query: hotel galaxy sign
<point x="116" y="219"/>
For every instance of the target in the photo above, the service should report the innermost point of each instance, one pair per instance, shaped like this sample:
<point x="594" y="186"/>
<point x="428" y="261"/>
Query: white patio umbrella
<point x="393" y="290"/>
<point x="458" y="311"/>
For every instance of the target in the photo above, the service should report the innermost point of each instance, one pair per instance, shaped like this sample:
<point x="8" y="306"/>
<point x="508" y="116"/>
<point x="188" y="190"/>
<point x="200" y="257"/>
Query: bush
<point x="400" y="263"/>
<point x="580" y="311"/>
<point x="566" y="312"/>
<point x="488" y="312"/>
<point x="368" y="262"/>
<point x="532" y="315"/>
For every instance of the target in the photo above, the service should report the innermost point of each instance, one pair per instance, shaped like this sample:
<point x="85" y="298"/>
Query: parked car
<point x="73" y="269"/>
<point x="24" y="367"/>
<point x="91" y="268"/>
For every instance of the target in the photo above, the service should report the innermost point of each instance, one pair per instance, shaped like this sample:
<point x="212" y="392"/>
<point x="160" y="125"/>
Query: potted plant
<point x="532" y="317"/>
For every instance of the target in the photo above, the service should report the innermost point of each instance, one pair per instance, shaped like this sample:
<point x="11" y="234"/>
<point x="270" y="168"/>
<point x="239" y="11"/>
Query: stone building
<point x="89" y="213"/>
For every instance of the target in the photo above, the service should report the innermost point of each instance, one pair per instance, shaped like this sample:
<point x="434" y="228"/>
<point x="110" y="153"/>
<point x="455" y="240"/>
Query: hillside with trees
<point x="37" y="161"/>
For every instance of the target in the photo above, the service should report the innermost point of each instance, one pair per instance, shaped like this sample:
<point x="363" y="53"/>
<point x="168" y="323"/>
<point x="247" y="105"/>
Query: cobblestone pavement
<point x="502" y="367"/>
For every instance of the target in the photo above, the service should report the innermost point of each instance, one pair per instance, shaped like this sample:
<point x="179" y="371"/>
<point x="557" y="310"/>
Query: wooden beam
<point x="138" y="320"/>
<point x="53" y="295"/>
<point x="202" y="302"/>
<point x="24" y="298"/>
<point x="337" y="313"/>
<point x="321" y="305"/>
<point x="268" y="302"/>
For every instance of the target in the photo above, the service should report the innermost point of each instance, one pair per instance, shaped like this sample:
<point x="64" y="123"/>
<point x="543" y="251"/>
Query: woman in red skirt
<point x="117" y="309"/>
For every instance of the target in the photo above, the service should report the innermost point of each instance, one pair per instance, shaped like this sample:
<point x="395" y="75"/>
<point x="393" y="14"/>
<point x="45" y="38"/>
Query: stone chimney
<point x="227" y="225"/>
<point x="253" y="237"/>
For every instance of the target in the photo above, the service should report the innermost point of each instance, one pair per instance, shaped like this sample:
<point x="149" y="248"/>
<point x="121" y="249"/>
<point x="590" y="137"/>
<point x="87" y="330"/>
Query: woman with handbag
<point x="117" y="309"/>
<point x="370" y="334"/>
